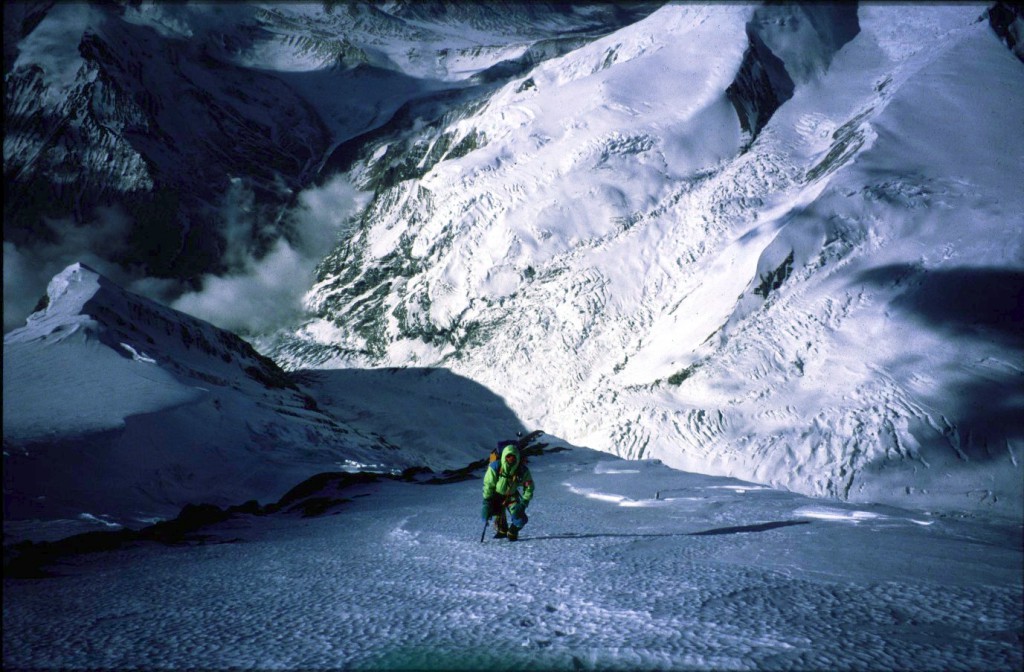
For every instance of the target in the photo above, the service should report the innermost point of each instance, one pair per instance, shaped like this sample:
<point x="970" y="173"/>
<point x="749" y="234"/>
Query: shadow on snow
<point x="740" y="529"/>
<point x="983" y="305"/>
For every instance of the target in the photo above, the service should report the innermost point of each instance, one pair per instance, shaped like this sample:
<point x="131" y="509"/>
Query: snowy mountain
<point x="777" y="242"/>
<point x="780" y="243"/>
<point x="119" y="409"/>
<point x="169" y="139"/>
<point x="744" y="248"/>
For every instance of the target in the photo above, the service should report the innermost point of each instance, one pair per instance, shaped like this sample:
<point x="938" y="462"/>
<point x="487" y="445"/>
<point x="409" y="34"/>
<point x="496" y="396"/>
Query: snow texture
<point x="822" y="297"/>
<point x="624" y="565"/>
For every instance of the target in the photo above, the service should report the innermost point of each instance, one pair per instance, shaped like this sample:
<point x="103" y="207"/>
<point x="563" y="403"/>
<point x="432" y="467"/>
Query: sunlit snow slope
<point x="779" y="243"/>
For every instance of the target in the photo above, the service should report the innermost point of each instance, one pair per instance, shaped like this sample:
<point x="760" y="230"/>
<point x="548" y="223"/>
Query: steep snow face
<point x="551" y="166"/>
<point x="832" y="305"/>
<point x="116" y="406"/>
<point x="86" y="359"/>
<point x="84" y="309"/>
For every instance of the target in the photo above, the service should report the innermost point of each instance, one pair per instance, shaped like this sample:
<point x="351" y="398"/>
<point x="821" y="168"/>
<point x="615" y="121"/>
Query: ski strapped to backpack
<point x="519" y="442"/>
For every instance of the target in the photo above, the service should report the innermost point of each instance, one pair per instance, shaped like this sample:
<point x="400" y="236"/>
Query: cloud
<point x="261" y="291"/>
<point x="265" y="296"/>
<point x="21" y="283"/>
<point x="326" y="213"/>
<point x="260" y="294"/>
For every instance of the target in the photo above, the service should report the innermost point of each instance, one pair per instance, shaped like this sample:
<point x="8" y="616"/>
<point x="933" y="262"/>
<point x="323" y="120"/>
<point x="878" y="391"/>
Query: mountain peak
<point x="74" y="283"/>
<point x="63" y="308"/>
<point x="83" y="303"/>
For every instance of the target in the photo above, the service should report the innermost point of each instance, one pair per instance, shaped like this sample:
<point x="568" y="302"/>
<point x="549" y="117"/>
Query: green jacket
<point x="503" y="480"/>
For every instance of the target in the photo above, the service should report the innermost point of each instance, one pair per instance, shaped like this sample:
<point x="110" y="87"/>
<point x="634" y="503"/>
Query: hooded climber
<point x="502" y="481"/>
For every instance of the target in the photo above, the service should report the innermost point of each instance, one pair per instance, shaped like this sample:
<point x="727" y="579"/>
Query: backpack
<point x="494" y="461"/>
<point x="519" y="442"/>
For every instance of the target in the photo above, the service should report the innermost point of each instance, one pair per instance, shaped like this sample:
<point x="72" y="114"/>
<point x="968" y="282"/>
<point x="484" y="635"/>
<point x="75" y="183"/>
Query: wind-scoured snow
<point x="624" y="565"/>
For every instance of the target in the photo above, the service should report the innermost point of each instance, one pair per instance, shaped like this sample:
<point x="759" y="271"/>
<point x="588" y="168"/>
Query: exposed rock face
<point x="761" y="86"/>
<point x="789" y="44"/>
<point x="1007" y="20"/>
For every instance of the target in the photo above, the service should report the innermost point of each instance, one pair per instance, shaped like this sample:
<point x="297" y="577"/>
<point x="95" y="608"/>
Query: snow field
<point x="715" y="574"/>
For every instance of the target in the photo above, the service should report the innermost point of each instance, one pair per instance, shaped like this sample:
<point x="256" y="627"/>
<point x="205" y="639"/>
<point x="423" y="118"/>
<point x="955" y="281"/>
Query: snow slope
<point x="779" y="243"/>
<point x="119" y="409"/>
<point x="624" y="565"/>
<point x="829" y="300"/>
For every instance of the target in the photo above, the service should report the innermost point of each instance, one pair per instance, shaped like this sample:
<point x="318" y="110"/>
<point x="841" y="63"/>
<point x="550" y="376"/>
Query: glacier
<point x="635" y="271"/>
<point x="778" y="243"/>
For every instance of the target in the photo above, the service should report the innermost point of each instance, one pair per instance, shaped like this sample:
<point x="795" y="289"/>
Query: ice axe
<point x="484" y="533"/>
